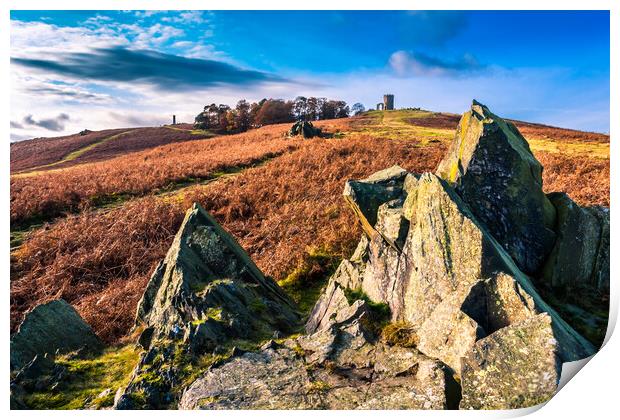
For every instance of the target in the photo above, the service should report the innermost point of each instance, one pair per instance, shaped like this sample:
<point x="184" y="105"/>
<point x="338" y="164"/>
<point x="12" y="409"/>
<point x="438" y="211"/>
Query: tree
<point x="222" y="121"/>
<point x="300" y="108"/>
<point x="357" y="108"/>
<point x="275" y="111"/>
<point x="255" y="109"/>
<point x="312" y="109"/>
<point x="243" y="119"/>
<point x="342" y="109"/>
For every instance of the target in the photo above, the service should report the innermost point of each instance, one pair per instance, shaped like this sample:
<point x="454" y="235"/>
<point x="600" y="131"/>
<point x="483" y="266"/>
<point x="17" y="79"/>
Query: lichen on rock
<point x="493" y="169"/>
<point x="206" y="293"/>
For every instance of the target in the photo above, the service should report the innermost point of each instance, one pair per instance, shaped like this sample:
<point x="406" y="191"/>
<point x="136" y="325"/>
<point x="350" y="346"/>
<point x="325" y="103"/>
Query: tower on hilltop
<point x="388" y="101"/>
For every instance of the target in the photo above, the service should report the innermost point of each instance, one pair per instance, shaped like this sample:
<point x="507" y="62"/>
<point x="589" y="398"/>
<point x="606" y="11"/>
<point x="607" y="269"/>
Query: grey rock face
<point x="515" y="367"/>
<point x="334" y="368"/>
<point x="454" y="285"/>
<point x="572" y="260"/>
<point x="367" y="195"/>
<point x="492" y="168"/>
<point x="50" y="328"/>
<point x="446" y="252"/>
<point x="600" y="272"/>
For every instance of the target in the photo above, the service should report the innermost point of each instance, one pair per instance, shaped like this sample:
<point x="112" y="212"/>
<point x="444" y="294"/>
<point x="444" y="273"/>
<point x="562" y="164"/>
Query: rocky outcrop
<point x="208" y="287"/>
<point x="491" y="167"/>
<point x="206" y="293"/>
<point x="442" y="258"/>
<point x="365" y="196"/>
<point x="446" y="253"/>
<point x="339" y="366"/>
<point x="444" y="267"/>
<point x="51" y="328"/>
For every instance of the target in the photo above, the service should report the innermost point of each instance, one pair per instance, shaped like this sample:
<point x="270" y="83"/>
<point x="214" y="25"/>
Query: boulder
<point x="291" y="377"/>
<point x="51" y="328"/>
<point x="206" y="293"/>
<point x="207" y="286"/>
<point x="304" y="129"/>
<point x="493" y="169"/>
<point x="333" y="308"/>
<point x="515" y="367"/>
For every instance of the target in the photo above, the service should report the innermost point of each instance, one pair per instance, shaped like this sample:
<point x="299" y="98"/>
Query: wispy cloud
<point x="405" y="63"/>
<point x="52" y="124"/>
<point x="164" y="71"/>
<point x="65" y="92"/>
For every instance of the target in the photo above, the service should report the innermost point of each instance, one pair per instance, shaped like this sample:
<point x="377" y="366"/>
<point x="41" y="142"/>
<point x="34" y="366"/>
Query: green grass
<point x="305" y="283"/>
<point x="400" y="125"/>
<point x="379" y="311"/>
<point x="206" y="133"/>
<point x="85" y="379"/>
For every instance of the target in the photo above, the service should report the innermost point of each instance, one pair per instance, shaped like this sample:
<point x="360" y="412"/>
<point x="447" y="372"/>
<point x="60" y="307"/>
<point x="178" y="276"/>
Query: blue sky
<point x="89" y="69"/>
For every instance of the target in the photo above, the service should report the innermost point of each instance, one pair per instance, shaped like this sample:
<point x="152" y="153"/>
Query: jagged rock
<point x="338" y="366"/>
<point x="493" y="169"/>
<point x="391" y="223"/>
<point x="600" y="272"/>
<point x="208" y="287"/>
<point x="449" y="333"/>
<point x="572" y="260"/>
<point x="366" y="195"/>
<point x="50" y="328"/>
<point x="333" y="308"/>
<point x="205" y="293"/>
<point x="515" y="367"/>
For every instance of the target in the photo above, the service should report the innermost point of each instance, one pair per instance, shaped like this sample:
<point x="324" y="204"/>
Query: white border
<point x="592" y="395"/>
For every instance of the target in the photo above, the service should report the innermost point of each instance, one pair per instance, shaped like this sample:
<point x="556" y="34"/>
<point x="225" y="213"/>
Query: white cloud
<point x="188" y="17"/>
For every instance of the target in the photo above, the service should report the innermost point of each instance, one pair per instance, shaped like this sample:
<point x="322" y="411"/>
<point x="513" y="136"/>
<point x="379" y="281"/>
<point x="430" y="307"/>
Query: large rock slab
<point x="600" y="272"/>
<point x="51" y="328"/>
<point x="282" y="378"/>
<point x="515" y="367"/>
<point x="571" y="262"/>
<point x="493" y="169"/>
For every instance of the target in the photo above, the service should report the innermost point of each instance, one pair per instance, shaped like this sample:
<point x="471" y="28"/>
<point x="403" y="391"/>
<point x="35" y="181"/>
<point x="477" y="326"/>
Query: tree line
<point x="245" y="115"/>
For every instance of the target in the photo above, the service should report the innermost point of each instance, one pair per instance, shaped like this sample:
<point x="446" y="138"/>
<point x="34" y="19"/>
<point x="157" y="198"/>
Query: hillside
<point x="42" y="154"/>
<point x="107" y="223"/>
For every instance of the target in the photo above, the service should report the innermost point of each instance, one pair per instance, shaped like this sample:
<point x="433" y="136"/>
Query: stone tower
<point x="388" y="101"/>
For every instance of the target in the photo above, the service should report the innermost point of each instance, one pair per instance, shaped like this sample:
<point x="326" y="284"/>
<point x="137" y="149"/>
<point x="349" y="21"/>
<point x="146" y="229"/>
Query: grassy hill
<point x="36" y="155"/>
<point x="90" y="219"/>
